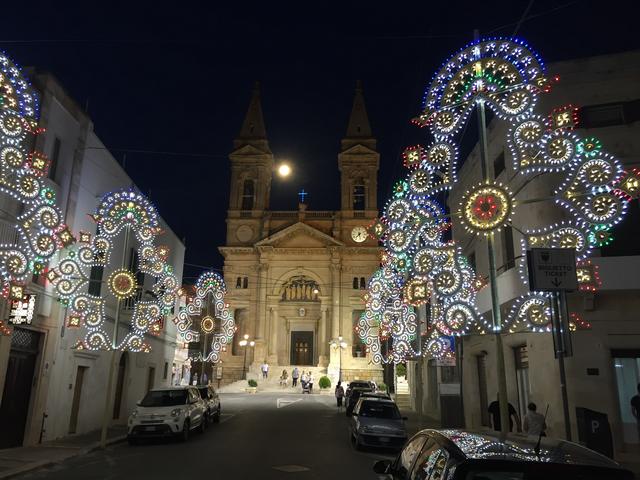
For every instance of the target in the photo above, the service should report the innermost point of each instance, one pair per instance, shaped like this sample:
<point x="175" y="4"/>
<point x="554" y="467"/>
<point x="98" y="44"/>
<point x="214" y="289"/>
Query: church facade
<point x="296" y="279"/>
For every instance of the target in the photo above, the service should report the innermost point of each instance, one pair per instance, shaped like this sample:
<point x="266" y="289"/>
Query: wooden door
<point x="77" y="396"/>
<point x="302" y="348"/>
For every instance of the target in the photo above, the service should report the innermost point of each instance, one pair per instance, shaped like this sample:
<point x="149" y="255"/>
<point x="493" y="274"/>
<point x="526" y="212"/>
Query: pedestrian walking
<point x="311" y="380"/>
<point x="635" y="408"/>
<point x="265" y="369"/>
<point x="294" y="377"/>
<point x="534" y="423"/>
<point x="339" y="394"/>
<point x="283" y="378"/>
<point x="304" y="379"/>
<point x="494" y="410"/>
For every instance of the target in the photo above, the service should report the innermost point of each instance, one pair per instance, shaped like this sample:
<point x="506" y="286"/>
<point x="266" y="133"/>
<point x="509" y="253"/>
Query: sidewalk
<point x="19" y="460"/>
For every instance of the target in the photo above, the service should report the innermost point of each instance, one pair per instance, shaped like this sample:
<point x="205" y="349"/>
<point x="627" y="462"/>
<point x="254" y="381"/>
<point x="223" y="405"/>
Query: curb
<point x="45" y="463"/>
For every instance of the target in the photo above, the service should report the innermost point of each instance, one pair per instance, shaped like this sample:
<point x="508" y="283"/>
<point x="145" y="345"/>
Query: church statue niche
<point x="300" y="289"/>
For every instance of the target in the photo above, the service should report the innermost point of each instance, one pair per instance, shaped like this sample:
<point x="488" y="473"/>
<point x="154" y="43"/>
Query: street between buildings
<point x="266" y="436"/>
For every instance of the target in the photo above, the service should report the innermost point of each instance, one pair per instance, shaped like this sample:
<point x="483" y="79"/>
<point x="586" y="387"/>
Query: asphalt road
<point x="266" y="436"/>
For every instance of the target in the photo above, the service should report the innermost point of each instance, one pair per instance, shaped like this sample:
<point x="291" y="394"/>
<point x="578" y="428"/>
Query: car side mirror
<point x="382" y="466"/>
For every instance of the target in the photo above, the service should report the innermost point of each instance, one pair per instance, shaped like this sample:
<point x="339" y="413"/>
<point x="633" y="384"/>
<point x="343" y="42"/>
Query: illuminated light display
<point x="588" y="276"/>
<point x="22" y="311"/>
<point x="117" y="211"/>
<point x="40" y="228"/>
<point x="577" y="323"/>
<point x="421" y="266"/>
<point x="486" y="208"/>
<point x="217" y="320"/>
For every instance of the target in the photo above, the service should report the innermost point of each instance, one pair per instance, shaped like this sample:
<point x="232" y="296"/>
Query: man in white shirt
<point x="265" y="369"/>
<point x="534" y="423"/>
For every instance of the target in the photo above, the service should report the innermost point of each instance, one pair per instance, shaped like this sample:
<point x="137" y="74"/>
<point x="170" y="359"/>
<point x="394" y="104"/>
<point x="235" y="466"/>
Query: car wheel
<point x="216" y="417"/>
<point x="184" y="436"/>
<point x="132" y="441"/>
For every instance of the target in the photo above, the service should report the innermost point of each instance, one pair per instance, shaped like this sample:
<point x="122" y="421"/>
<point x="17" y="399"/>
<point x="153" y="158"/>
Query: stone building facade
<point x="296" y="278"/>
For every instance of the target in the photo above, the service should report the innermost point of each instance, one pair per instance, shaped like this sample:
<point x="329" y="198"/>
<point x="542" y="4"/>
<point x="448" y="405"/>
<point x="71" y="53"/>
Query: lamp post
<point x="244" y="343"/>
<point x="341" y="344"/>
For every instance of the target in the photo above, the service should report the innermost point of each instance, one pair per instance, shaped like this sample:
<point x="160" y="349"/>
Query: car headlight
<point x="176" y="412"/>
<point x="134" y="414"/>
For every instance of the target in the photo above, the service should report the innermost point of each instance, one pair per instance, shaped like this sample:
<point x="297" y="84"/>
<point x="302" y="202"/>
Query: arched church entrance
<point x="300" y="306"/>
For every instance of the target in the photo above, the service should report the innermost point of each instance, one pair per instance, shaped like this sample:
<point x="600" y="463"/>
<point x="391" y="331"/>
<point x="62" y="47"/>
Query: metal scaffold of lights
<point x="209" y="309"/>
<point x="125" y="212"/>
<point x="39" y="230"/>
<point x="507" y="77"/>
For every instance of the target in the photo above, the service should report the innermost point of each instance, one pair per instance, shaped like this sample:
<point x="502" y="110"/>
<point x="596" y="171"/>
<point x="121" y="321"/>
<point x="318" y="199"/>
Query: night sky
<point x="175" y="82"/>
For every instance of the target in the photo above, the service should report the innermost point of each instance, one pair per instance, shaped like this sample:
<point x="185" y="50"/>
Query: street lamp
<point x="244" y="343"/>
<point x="341" y="344"/>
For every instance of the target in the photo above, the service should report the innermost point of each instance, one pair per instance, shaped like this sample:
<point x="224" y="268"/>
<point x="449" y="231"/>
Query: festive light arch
<point x="117" y="211"/>
<point x="40" y="230"/>
<point x="507" y="77"/>
<point x="210" y="288"/>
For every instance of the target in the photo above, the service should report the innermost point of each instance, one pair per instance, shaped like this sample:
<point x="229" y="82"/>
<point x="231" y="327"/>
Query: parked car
<point x="375" y="395"/>
<point x="212" y="401"/>
<point x="456" y="454"/>
<point x="166" y="412"/>
<point x="353" y="398"/>
<point x="376" y="422"/>
<point x="359" y="384"/>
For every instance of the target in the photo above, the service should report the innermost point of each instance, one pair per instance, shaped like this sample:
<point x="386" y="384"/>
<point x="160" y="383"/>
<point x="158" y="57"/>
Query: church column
<point x="335" y="300"/>
<point x="322" y="338"/>
<point x="273" y="342"/>
<point x="260" y="349"/>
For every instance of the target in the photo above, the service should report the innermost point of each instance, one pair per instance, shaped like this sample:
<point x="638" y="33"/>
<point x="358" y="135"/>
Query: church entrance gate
<point x="302" y="348"/>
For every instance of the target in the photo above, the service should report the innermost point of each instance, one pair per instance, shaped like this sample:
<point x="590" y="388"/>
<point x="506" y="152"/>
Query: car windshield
<point x="204" y="392"/>
<point x="359" y="385"/>
<point x="164" y="398"/>
<point x="379" y="410"/>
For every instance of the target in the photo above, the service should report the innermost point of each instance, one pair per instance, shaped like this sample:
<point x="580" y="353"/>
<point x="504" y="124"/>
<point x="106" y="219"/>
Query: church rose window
<point x="300" y="289"/>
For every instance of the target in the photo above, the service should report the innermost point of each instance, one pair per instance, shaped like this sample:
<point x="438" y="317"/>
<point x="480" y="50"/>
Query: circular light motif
<point x="528" y="133"/>
<point x="208" y="324"/>
<point x="458" y="317"/>
<point x="420" y="181"/>
<point x="486" y="208"/>
<point x="447" y="282"/>
<point x="440" y="154"/>
<point x="122" y="284"/>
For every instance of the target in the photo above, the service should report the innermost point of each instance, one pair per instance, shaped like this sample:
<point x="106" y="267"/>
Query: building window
<point x="498" y="165"/>
<point x="245" y="282"/>
<point x="355" y="283"/>
<point x="248" y="194"/>
<point x="509" y="259"/>
<point x="95" y="280"/>
<point x="522" y="378"/>
<point x="239" y="282"/>
<point x="358" y="348"/>
<point x="606" y="115"/>
<point x="55" y="158"/>
<point x="359" y="194"/>
<point x="363" y="284"/>
<point x="472" y="260"/>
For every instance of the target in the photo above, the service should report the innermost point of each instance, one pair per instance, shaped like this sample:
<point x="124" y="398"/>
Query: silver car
<point x="376" y="422"/>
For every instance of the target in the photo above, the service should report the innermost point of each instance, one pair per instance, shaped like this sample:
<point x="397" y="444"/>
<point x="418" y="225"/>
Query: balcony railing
<point x="8" y="233"/>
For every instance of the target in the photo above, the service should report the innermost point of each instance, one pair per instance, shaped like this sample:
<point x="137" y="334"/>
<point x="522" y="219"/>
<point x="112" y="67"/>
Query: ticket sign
<point x="552" y="269"/>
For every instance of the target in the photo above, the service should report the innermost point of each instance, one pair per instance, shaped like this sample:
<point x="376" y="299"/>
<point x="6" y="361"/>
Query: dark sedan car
<point x="456" y="454"/>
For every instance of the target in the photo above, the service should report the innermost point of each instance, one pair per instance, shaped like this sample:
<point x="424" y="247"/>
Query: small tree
<point x="401" y="370"/>
<point x="324" y="382"/>
<point x="252" y="383"/>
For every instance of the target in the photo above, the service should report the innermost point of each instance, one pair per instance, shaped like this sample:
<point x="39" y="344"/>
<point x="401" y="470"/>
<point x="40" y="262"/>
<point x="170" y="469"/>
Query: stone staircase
<point x="403" y="395"/>
<point x="272" y="383"/>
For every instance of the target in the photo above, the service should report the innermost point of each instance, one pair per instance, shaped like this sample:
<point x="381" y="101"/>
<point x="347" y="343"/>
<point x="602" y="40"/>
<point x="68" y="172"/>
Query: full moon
<point x="284" y="170"/>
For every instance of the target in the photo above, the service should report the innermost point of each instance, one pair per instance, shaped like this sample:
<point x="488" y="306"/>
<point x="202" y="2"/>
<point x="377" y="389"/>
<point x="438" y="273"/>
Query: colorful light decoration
<point x="210" y="290"/>
<point x="117" y="211"/>
<point x="420" y="266"/>
<point x="40" y="228"/>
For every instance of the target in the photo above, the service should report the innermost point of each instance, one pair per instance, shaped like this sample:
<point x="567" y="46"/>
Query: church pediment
<point x="358" y="149"/>
<point x="249" y="150"/>
<point x="299" y="235"/>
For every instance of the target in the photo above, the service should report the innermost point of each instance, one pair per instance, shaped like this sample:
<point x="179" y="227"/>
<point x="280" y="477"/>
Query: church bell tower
<point x="251" y="175"/>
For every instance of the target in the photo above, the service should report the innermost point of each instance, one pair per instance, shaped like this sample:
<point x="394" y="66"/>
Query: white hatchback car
<point x="166" y="412"/>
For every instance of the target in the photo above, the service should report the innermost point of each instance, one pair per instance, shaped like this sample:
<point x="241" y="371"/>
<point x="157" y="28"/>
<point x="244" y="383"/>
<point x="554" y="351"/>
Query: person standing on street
<point x="339" y="394"/>
<point x="294" y="377"/>
<point x="635" y="408"/>
<point x="494" y="410"/>
<point x="534" y="423"/>
<point x="311" y="379"/>
<point x="265" y="369"/>
<point x="303" y="379"/>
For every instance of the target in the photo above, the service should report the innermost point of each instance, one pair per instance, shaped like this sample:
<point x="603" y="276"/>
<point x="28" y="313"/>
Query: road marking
<point x="291" y="468"/>
<point x="224" y="417"/>
<point x="285" y="402"/>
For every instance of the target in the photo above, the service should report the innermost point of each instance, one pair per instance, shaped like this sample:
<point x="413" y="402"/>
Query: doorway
<point x="302" y="348"/>
<point x="122" y="368"/>
<point x="17" y="386"/>
<point x="627" y="370"/>
<point x="77" y="396"/>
